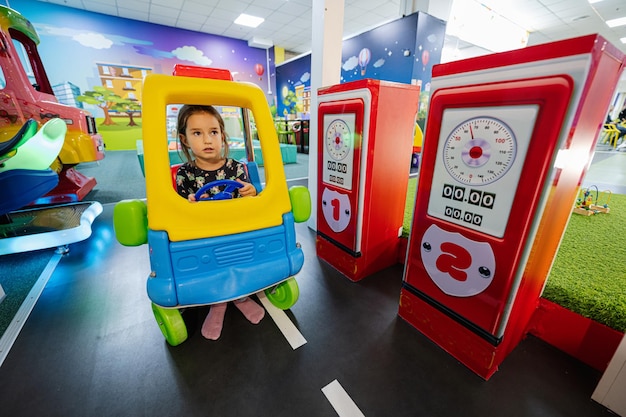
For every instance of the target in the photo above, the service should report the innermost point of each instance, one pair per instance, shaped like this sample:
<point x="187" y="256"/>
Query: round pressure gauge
<point x="479" y="150"/>
<point x="338" y="139"/>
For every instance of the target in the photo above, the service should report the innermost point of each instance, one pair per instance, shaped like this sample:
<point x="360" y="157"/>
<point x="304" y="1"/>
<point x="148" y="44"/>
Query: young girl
<point x="203" y="141"/>
<point x="202" y="138"/>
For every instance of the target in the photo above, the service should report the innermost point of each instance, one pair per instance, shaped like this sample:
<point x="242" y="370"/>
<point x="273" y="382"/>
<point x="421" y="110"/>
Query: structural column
<point x="327" y="37"/>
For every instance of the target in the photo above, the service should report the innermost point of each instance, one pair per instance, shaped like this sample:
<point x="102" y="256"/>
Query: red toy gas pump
<point x="508" y="138"/>
<point x="365" y="138"/>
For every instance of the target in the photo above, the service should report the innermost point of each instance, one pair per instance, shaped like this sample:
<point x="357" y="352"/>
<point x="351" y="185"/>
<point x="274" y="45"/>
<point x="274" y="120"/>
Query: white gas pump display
<point x="479" y="161"/>
<point x="339" y="130"/>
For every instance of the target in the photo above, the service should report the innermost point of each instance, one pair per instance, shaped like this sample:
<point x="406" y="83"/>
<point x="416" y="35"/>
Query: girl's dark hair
<point x="183" y="116"/>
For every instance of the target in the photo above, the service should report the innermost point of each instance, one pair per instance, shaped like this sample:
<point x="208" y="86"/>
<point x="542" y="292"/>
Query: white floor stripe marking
<point x="11" y="333"/>
<point x="286" y="326"/>
<point x="297" y="179"/>
<point x="341" y="401"/>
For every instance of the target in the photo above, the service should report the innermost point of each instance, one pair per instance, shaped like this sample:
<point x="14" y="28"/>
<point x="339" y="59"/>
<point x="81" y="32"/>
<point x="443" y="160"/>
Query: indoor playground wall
<point x="84" y="52"/>
<point x="403" y="50"/>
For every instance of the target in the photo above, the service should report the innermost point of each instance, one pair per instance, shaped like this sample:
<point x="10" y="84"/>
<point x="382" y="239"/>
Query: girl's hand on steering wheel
<point x="192" y="197"/>
<point x="247" y="189"/>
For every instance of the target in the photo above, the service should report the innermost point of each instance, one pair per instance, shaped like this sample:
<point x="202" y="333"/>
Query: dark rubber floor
<point x="91" y="347"/>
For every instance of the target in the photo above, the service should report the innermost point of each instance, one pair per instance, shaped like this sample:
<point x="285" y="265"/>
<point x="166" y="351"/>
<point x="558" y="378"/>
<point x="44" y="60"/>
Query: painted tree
<point x="291" y="103"/>
<point x="130" y="107"/>
<point x="103" y="98"/>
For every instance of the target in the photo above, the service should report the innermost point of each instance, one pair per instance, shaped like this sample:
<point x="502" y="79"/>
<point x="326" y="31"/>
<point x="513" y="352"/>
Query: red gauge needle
<point x="471" y="132"/>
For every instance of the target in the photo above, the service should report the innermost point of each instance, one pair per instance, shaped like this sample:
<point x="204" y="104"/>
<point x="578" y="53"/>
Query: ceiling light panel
<point x="616" y="22"/>
<point x="249" y="20"/>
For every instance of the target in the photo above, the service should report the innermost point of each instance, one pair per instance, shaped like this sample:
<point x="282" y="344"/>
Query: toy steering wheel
<point x="227" y="194"/>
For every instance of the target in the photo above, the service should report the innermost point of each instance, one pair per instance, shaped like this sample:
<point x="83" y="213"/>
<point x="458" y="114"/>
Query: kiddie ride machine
<point x="212" y="251"/>
<point x="508" y="139"/>
<point x="37" y="168"/>
<point x="23" y="99"/>
<point x="25" y="175"/>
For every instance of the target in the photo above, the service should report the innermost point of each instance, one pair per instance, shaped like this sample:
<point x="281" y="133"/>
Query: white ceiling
<point x="288" y="22"/>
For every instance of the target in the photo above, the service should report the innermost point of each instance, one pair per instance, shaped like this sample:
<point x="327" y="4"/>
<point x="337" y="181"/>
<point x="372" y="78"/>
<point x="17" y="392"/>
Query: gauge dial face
<point x="338" y="139"/>
<point x="479" y="151"/>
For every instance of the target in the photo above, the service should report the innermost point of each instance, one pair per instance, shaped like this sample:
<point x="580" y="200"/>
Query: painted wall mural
<point x="430" y="35"/>
<point x="99" y="62"/>
<point x="403" y="50"/>
<point x="293" y="80"/>
<point x="384" y="53"/>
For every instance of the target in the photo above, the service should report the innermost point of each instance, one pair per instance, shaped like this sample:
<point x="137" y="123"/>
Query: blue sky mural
<point x="384" y="53"/>
<point x="289" y="76"/>
<point x="73" y="42"/>
<point x="430" y="38"/>
<point x="403" y="50"/>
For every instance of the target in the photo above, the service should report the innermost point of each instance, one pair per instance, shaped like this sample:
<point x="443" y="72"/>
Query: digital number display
<point x="470" y="196"/>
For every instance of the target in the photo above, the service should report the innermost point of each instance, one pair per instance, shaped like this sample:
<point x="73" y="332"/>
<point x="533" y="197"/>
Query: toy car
<point x="251" y="248"/>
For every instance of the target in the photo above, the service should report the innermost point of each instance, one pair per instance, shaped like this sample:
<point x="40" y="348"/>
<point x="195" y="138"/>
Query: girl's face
<point x="205" y="139"/>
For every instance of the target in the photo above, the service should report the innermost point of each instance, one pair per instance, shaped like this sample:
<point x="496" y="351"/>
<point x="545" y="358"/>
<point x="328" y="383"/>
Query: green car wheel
<point x="284" y="295"/>
<point x="130" y="222"/>
<point x="171" y="323"/>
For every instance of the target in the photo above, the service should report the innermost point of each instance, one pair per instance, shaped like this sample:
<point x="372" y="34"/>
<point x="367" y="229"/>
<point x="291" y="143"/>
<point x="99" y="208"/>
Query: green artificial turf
<point x="589" y="273"/>
<point x="409" y="206"/>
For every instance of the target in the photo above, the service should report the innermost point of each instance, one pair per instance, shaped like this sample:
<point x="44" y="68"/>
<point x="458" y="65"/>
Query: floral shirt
<point x="190" y="178"/>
